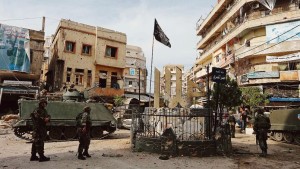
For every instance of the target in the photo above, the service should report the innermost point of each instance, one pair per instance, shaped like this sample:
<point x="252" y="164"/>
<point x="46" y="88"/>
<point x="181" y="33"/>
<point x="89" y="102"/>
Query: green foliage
<point x="118" y="100"/>
<point x="226" y="94"/>
<point x="253" y="97"/>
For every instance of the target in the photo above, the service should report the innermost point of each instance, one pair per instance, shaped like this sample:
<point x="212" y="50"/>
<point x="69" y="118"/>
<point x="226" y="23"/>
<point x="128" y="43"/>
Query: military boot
<point x="34" y="158"/>
<point x="43" y="158"/>
<point x="86" y="153"/>
<point x="80" y="156"/>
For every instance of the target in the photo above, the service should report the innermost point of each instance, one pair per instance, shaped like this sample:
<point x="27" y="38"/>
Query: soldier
<point x="261" y="126"/>
<point x="231" y="122"/>
<point x="84" y="124"/>
<point x="39" y="118"/>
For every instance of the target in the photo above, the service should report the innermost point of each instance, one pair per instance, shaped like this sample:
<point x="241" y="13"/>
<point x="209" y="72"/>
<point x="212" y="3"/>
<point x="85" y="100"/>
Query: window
<point x="70" y="47"/>
<point x="89" y="78"/>
<point x="217" y="58"/>
<point x="69" y="71"/>
<point x="102" y="79"/>
<point x="111" y="51"/>
<point x="114" y="80"/>
<point x="130" y="83"/>
<point x="86" y="49"/>
<point x="79" y="76"/>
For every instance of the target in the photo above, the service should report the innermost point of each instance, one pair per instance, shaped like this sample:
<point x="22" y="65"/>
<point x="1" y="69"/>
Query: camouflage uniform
<point x="83" y="131"/>
<point x="39" y="118"/>
<point x="261" y="127"/>
<point x="231" y="122"/>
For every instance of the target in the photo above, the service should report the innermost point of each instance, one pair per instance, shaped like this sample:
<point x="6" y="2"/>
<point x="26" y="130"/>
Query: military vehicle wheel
<point x="22" y="133"/>
<point x="70" y="132"/>
<point x="278" y="136"/>
<point x="297" y="138"/>
<point x="96" y="132"/>
<point x="288" y="137"/>
<point x="55" y="133"/>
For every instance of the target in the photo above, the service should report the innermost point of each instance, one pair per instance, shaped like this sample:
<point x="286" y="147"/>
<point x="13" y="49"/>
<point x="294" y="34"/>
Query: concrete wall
<point x="98" y="38"/>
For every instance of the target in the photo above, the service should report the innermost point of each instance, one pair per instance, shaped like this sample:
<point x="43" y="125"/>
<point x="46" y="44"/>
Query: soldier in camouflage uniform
<point x="261" y="127"/>
<point x="84" y="124"/>
<point x="39" y="118"/>
<point x="231" y="121"/>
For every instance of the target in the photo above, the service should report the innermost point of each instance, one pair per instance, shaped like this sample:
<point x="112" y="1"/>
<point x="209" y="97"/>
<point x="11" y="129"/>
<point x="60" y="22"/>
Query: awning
<point x="279" y="99"/>
<point x="18" y="90"/>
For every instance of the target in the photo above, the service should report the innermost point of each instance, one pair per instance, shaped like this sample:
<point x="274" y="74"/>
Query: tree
<point x="253" y="96"/>
<point x="226" y="95"/>
<point x="118" y="101"/>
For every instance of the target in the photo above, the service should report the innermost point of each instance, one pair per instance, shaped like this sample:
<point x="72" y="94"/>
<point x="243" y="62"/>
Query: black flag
<point x="160" y="35"/>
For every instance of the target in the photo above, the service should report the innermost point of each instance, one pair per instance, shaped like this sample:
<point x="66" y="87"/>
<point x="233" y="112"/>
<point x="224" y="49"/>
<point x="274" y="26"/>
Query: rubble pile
<point x="8" y="120"/>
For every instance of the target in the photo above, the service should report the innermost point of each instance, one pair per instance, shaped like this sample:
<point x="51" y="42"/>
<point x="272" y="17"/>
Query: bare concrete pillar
<point x="43" y="24"/>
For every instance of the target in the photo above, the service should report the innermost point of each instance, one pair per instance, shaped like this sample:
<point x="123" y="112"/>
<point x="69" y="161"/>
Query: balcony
<point x="211" y="18"/>
<point x="253" y="20"/>
<point x="268" y="49"/>
<point x="226" y="61"/>
<point x="217" y="23"/>
<point x="98" y="91"/>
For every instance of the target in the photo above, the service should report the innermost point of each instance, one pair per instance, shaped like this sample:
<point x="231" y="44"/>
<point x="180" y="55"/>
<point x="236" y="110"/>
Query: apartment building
<point x="164" y="86"/>
<point x="257" y="42"/>
<point x="87" y="56"/>
<point x="21" y="57"/>
<point x="135" y="70"/>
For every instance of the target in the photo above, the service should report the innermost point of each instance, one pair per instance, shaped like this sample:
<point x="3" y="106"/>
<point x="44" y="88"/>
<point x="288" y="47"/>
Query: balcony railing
<point x="220" y="18"/>
<point x="251" y="17"/>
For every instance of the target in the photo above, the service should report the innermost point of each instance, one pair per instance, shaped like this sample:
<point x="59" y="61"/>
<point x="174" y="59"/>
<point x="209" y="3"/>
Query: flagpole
<point x="151" y="72"/>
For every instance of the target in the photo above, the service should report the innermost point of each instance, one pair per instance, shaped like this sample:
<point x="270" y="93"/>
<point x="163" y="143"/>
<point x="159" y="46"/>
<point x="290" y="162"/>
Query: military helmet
<point x="43" y="101"/>
<point x="87" y="109"/>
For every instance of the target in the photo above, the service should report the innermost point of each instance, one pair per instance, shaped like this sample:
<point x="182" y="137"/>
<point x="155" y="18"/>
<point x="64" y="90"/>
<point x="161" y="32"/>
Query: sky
<point x="135" y="18"/>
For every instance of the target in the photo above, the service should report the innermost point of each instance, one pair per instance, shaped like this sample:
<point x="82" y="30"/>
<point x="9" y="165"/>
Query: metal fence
<point x="186" y="124"/>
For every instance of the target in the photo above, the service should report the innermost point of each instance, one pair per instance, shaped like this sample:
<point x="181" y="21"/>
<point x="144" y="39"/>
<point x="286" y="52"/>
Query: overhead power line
<point x="19" y="19"/>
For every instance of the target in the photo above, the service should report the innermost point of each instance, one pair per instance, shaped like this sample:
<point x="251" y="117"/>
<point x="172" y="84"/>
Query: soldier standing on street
<point x="261" y="127"/>
<point x="231" y="121"/>
<point x="39" y="118"/>
<point x="84" y="124"/>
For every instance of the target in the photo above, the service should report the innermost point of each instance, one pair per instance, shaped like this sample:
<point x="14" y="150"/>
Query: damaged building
<point x="21" y="57"/>
<point x="88" y="57"/>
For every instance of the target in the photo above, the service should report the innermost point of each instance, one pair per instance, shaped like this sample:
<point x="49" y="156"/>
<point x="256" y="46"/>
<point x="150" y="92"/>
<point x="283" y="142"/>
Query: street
<point x="115" y="152"/>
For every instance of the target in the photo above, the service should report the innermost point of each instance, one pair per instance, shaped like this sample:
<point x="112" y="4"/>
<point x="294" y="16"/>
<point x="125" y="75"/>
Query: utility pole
<point x="208" y="104"/>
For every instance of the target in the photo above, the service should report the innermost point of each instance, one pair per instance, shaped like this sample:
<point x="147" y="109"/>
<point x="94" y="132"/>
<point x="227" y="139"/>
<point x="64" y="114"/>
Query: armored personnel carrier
<point x="63" y="114"/>
<point x="285" y="125"/>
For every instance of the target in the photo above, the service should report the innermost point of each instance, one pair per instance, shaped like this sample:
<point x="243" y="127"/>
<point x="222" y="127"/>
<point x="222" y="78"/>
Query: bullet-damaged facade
<point x="87" y="57"/>
<point x="172" y="86"/>
<point x="19" y="80"/>
<point x="257" y="43"/>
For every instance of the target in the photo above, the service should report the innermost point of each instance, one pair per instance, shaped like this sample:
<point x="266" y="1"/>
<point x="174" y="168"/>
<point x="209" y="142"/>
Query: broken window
<point x="111" y="51"/>
<point x="70" y="46"/>
<point x="79" y="73"/>
<point x="86" y="49"/>
<point x="217" y="58"/>
<point x="89" y="78"/>
<point x="102" y="79"/>
<point x="69" y="71"/>
<point x="114" y="80"/>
